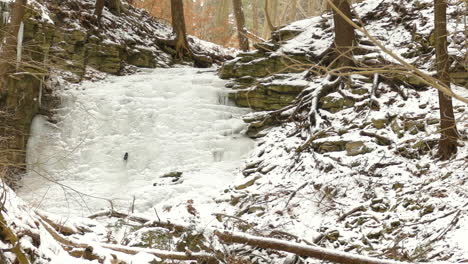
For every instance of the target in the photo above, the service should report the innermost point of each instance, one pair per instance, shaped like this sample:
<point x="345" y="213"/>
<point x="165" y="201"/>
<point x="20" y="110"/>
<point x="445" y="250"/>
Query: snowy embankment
<point x="167" y="120"/>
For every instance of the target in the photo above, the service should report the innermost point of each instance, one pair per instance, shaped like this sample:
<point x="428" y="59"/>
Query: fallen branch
<point x="163" y="254"/>
<point x="294" y="193"/>
<point x="59" y="227"/>
<point x="300" y="249"/>
<point x="144" y="221"/>
<point x="381" y="140"/>
<point x="350" y="212"/>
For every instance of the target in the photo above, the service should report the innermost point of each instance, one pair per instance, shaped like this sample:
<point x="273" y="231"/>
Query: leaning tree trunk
<point x="178" y="24"/>
<point x="449" y="134"/>
<point x="240" y="20"/>
<point x="344" y="33"/>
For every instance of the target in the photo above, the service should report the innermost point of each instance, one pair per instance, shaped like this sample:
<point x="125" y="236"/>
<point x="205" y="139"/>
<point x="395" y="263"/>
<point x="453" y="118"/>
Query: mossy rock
<point x="334" y="104"/>
<point x="356" y="148"/>
<point x="247" y="184"/>
<point x="261" y="99"/>
<point x="192" y="241"/>
<point x="154" y="237"/>
<point x="105" y="57"/>
<point x="396" y="128"/>
<point x="285" y="34"/>
<point x="379" y="123"/>
<point x="266" y="46"/>
<point x="380" y="205"/>
<point x="360" y="91"/>
<point x="262" y="67"/>
<point x="283" y="88"/>
<point x="329" y="146"/>
<point x="376" y="234"/>
<point x="141" y="58"/>
<point x="332" y="235"/>
<point x="460" y="78"/>
<point x="428" y="209"/>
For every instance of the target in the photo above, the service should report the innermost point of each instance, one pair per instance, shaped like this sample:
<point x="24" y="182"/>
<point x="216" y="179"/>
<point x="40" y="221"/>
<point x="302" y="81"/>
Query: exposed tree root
<point x="11" y="238"/>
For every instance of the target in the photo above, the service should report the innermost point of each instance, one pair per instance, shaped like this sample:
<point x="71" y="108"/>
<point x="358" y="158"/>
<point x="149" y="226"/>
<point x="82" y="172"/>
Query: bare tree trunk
<point x="240" y="20"/>
<point x="98" y="8"/>
<point x="293" y="11"/>
<point x="178" y="24"/>
<point x="12" y="100"/>
<point x="222" y="20"/>
<point x="8" y="51"/>
<point x="255" y="17"/>
<point x="115" y="6"/>
<point x="449" y="134"/>
<point x="181" y="44"/>
<point x="270" y="25"/>
<point x="344" y="33"/>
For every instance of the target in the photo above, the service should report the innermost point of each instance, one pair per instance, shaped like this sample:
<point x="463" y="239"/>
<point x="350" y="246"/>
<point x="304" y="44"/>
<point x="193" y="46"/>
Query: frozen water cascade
<point x="167" y="120"/>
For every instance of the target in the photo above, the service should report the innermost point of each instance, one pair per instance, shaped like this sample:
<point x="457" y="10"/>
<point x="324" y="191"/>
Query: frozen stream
<point x="168" y="120"/>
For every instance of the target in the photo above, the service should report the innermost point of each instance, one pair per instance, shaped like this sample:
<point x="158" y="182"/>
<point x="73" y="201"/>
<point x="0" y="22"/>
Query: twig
<point x="294" y="194"/>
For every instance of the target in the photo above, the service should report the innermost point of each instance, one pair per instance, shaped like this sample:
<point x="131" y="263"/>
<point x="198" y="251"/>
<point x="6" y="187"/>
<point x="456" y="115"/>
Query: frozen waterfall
<point x="167" y="120"/>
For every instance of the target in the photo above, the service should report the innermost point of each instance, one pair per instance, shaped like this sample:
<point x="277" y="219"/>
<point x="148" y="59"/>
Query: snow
<point x="168" y="120"/>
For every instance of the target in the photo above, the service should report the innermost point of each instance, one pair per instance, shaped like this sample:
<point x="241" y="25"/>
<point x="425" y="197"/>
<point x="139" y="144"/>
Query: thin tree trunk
<point x="240" y="20"/>
<point x="344" y="33"/>
<point x="293" y="11"/>
<point x="449" y="134"/>
<point x="8" y="51"/>
<point x="222" y="21"/>
<point x="12" y="133"/>
<point x="255" y="17"/>
<point x="270" y="25"/>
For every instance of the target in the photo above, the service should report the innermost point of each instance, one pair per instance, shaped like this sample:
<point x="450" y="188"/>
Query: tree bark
<point x="98" y="8"/>
<point x="115" y="6"/>
<point x="240" y="20"/>
<point x="344" y="33"/>
<point x="222" y="21"/>
<point x="255" y="25"/>
<point x="8" y="52"/>
<point x="178" y="25"/>
<point x="293" y="11"/>
<point x="331" y="255"/>
<point x="449" y="134"/>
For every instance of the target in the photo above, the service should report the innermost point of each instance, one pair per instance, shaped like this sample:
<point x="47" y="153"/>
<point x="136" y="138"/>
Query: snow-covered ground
<point x="167" y="120"/>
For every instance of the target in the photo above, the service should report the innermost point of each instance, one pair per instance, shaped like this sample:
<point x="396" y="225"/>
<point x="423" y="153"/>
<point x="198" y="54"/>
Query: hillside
<point x="365" y="178"/>
<point x="133" y="165"/>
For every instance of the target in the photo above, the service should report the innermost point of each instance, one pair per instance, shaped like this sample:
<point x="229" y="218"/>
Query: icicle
<point x="6" y="17"/>
<point x="40" y="92"/>
<point x="19" y="45"/>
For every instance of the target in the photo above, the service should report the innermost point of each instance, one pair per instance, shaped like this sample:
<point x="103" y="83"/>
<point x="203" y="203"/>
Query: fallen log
<point x="300" y="249"/>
